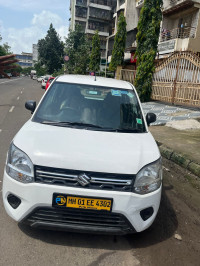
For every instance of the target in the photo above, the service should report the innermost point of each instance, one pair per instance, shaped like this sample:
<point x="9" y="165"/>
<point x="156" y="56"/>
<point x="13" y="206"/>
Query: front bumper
<point x="126" y="206"/>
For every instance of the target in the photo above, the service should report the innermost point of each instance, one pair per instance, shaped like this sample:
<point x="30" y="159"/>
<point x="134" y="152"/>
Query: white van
<point x="85" y="161"/>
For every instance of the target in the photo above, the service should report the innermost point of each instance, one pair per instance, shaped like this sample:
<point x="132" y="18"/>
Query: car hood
<point x="87" y="150"/>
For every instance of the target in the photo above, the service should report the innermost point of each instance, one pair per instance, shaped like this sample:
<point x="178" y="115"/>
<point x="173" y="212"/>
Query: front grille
<point x="102" y="181"/>
<point x="79" y="220"/>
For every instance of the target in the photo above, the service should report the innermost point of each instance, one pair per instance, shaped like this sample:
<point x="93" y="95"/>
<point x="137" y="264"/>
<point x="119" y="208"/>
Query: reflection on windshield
<point x="101" y="107"/>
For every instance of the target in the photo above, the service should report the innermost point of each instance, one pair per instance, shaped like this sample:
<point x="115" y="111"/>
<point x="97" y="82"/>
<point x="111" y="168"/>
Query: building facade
<point x="180" y="27"/>
<point x="131" y="11"/>
<point x="25" y="59"/>
<point x="93" y="15"/>
<point x="35" y="53"/>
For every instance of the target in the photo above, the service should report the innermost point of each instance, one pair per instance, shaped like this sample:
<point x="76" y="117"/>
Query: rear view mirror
<point x="30" y="105"/>
<point x="150" y="118"/>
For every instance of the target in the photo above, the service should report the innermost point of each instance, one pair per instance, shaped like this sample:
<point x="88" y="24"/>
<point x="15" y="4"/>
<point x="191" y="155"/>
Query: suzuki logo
<point x="83" y="180"/>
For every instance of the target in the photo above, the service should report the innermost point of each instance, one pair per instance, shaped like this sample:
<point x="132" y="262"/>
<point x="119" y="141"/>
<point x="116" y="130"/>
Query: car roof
<point x="90" y="80"/>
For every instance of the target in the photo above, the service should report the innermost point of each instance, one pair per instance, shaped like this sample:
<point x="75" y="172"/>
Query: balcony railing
<point x="100" y="14"/>
<point x="94" y="27"/>
<point x="177" y="33"/>
<point x="102" y="2"/>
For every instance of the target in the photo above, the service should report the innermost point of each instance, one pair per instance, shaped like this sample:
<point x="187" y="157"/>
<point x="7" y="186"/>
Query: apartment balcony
<point x="99" y="14"/>
<point x="171" y="6"/>
<point x="94" y="26"/>
<point x="101" y="4"/>
<point x="177" y="39"/>
<point x="139" y="3"/>
<point x="177" y="33"/>
<point x="81" y="3"/>
<point x="81" y="12"/>
<point x="101" y="33"/>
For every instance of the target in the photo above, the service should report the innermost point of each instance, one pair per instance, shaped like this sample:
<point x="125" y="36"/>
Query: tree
<point x="2" y="49"/>
<point x="119" y="44"/>
<point x="51" y="50"/>
<point x="147" y="42"/>
<point x="26" y="70"/>
<point x="77" y="48"/>
<point x="40" y="69"/>
<point x="16" y="71"/>
<point x="7" y="48"/>
<point x="95" y="56"/>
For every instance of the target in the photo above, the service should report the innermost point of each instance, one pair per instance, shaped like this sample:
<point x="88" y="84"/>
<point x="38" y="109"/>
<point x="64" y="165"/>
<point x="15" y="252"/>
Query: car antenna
<point x="95" y="78"/>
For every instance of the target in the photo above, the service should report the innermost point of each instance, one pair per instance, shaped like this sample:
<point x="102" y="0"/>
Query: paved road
<point x="166" y="113"/>
<point x="20" y="245"/>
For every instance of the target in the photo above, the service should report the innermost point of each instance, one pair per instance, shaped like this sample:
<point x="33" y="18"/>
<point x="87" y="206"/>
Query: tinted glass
<point x="108" y="108"/>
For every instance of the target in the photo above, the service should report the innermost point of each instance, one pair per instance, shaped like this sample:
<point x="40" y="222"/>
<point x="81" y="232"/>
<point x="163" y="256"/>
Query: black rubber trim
<point x="123" y="227"/>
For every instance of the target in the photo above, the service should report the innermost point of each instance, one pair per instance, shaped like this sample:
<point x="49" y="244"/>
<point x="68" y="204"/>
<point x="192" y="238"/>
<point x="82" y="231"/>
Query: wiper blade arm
<point x="83" y="124"/>
<point x="67" y="123"/>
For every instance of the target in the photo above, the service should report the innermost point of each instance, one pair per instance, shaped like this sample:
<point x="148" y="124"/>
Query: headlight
<point x="149" y="178"/>
<point x="19" y="166"/>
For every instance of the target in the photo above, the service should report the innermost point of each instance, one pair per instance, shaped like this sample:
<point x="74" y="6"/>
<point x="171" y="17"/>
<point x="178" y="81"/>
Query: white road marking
<point x="0" y="130"/>
<point x="21" y="92"/>
<point x="11" y="109"/>
<point x="18" y="98"/>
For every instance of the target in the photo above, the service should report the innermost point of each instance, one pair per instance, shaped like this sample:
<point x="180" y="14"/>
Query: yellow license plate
<point x="82" y="202"/>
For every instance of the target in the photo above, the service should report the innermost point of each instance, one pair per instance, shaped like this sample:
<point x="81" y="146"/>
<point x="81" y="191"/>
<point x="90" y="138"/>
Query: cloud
<point x="22" y="39"/>
<point x="45" y="18"/>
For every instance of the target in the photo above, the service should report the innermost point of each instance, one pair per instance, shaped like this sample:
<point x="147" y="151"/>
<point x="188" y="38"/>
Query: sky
<point x="24" y="22"/>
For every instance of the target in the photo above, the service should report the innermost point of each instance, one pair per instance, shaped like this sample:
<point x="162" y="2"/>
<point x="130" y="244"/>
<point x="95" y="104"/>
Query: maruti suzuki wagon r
<point x="85" y="161"/>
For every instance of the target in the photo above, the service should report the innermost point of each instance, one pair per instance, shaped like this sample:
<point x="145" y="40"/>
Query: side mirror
<point x="30" y="105"/>
<point x="150" y="118"/>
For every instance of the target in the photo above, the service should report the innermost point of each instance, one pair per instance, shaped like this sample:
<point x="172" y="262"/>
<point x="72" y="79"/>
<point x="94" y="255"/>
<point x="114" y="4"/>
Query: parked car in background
<point x="34" y="77"/>
<point x="44" y="81"/>
<point x="40" y="79"/>
<point x="49" y="81"/>
<point x="85" y="161"/>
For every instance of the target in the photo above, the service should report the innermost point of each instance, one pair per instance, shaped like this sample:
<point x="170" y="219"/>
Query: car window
<point x="105" y="107"/>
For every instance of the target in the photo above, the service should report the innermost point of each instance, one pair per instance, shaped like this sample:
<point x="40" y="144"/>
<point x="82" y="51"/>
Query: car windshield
<point x="91" y="107"/>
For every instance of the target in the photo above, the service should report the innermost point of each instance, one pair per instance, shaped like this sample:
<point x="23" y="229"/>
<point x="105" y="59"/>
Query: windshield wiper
<point x="67" y="123"/>
<point x="87" y="125"/>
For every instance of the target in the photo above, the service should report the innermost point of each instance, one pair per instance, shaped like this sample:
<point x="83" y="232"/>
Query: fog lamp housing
<point x="14" y="201"/>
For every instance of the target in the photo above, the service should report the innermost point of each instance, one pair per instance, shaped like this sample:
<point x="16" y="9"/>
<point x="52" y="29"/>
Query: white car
<point x="44" y="81"/>
<point x="85" y="161"/>
<point x="34" y="77"/>
<point x="40" y="79"/>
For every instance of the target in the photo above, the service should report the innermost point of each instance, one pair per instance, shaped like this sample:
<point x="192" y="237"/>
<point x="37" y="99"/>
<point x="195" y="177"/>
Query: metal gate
<point x="177" y="79"/>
